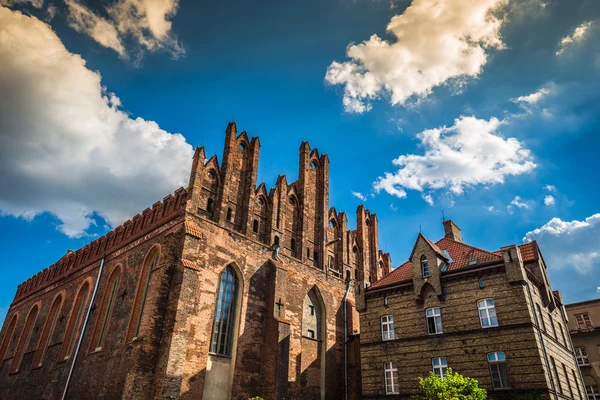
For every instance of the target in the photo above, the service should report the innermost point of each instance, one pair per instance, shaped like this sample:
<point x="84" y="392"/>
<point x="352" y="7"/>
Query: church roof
<point x="462" y="255"/>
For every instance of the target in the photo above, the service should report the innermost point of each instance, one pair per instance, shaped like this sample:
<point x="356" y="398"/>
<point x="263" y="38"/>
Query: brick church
<point x="225" y="289"/>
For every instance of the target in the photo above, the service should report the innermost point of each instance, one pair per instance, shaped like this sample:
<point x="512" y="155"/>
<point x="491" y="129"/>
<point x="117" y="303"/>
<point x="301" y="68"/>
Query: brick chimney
<point x="452" y="231"/>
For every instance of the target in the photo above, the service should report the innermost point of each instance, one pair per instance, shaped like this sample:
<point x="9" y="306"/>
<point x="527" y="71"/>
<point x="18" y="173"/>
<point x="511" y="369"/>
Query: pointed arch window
<point x="424" y="267"/>
<point x="8" y="336"/>
<point x="225" y="313"/>
<point x="24" y="339"/>
<point x="141" y="294"/>
<point x="75" y="321"/>
<point x="49" y="327"/>
<point x="255" y="226"/>
<point x="106" y="307"/>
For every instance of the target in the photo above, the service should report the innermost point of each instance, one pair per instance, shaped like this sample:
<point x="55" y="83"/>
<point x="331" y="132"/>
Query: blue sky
<point x="490" y="109"/>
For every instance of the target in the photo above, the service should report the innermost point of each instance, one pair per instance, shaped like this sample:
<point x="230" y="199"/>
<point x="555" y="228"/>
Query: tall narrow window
<point x="210" y="206"/>
<point x="330" y="265"/>
<point x="562" y="333"/>
<point x="293" y="247"/>
<point x="487" y="313"/>
<point x="75" y="321"/>
<point x="106" y="306"/>
<point x="391" y="378"/>
<point x="141" y="294"/>
<point x="440" y="366"/>
<point x="541" y="317"/>
<point x="255" y="226"/>
<point x="8" y="336"/>
<point x="576" y="384"/>
<point x="424" y="267"/>
<point x="434" y="320"/>
<point x="556" y="376"/>
<point x="225" y="313"/>
<point x="24" y="339"/>
<point x="582" y="356"/>
<point x="387" y="327"/>
<point x="568" y="380"/>
<point x="229" y="214"/>
<point x="583" y="321"/>
<point x="553" y="327"/>
<point x="47" y="332"/>
<point x="592" y="392"/>
<point x="498" y="370"/>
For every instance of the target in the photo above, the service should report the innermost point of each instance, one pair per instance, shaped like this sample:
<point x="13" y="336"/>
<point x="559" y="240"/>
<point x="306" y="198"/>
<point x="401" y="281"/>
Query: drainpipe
<point x="85" y="321"/>
<point x="564" y="318"/>
<point x="345" y="300"/>
<point x="539" y="329"/>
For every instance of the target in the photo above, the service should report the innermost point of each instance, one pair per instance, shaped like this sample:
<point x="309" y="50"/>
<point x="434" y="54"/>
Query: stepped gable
<point x="74" y="261"/>
<point x="462" y="254"/>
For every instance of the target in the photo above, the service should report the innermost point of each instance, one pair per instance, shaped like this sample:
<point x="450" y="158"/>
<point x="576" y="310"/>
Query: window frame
<point x="222" y="341"/>
<point x="387" y="322"/>
<point x="585" y="319"/>
<point x="437" y="317"/>
<point x="425" y="272"/>
<point x="592" y="392"/>
<point x="583" y="355"/>
<point x="139" y="301"/>
<point x="487" y="308"/>
<point x="393" y="372"/>
<point x="442" y="366"/>
<point x="497" y="362"/>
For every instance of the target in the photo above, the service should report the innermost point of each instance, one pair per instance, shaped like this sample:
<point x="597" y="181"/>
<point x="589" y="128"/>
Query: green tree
<point x="453" y="387"/>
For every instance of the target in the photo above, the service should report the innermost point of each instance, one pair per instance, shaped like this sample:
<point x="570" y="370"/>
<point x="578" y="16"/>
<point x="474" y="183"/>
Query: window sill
<point x="489" y="326"/>
<point x="309" y="338"/>
<point x="96" y="350"/>
<point x="435" y="334"/>
<point x="210" y="353"/>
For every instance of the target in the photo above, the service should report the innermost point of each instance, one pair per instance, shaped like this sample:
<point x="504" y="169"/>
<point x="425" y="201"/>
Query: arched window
<point x="47" y="332"/>
<point x="75" y="321"/>
<point x="312" y="316"/>
<point x="8" y="336"/>
<point x="276" y="241"/>
<point x="225" y="313"/>
<point x="106" y="306"/>
<point x="24" y="339"/>
<point x="255" y="226"/>
<point x="141" y="293"/>
<point x="424" y="267"/>
<point x="332" y="223"/>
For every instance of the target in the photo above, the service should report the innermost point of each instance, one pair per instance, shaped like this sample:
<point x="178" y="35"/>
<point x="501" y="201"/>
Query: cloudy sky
<point x="486" y="111"/>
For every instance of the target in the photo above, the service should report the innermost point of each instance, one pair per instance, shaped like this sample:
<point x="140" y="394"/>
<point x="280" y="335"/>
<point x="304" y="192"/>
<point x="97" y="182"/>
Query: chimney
<point x="452" y="231"/>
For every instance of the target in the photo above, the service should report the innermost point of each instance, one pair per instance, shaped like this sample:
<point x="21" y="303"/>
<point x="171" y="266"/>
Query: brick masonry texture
<point x="522" y="298"/>
<point x="223" y="218"/>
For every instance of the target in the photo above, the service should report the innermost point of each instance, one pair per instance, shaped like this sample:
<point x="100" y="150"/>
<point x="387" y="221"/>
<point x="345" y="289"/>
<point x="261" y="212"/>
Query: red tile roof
<point x="462" y="255"/>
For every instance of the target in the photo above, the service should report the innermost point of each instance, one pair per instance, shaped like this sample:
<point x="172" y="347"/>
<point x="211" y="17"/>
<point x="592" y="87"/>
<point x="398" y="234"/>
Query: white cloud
<point x="577" y="36"/>
<point x="549" y="201"/>
<point x="573" y="244"/>
<point x="491" y="209"/>
<point x="359" y="196"/>
<point x="550" y="188"/>
<point x="517" y="202"/>
<point x="393" y="207"/>
<point x="469" y="153"/>
<point x="598" y="289"/>
<point x="66" y="146"/>
<point x="437" y="43"/>
<point x="532" y="98"/>
<point x="146" y="21"/>
<point x="428" y="199"/>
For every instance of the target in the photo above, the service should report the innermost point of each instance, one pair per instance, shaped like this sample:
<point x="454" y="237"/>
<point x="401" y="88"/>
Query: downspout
<point x="564" y="318"/>
<point x="85" y="321"/>
<point x="345" y="300"/>
<point x="539" y="329"/>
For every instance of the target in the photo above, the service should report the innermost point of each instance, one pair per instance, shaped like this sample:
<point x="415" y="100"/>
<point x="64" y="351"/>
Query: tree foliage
<point x="453" y="387"/>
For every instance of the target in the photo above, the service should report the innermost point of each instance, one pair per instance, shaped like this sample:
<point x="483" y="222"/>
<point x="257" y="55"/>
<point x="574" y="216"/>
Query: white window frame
<point x="592" y="392"/>
<point x="436" y="315"/>
<point x="583" y="320"/>
<point x="441" y="369"/>
<point x="387" y="328"/>
<point x="425" y="267"/>
<point x="496" y="359"/>
<point x="391" y="378"/>
<point x="582" y="356"/>
<point x="487" y="311"/>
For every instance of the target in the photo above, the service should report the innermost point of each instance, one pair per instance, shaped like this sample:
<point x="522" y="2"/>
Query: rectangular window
<point x="568" y="380"/>
<point x="541" y="317"/>
<point x="387" y="327"/>
<point x="583" y="320"/>
<point x="592" y="392"/>
<point x="553" y="326"/>
<point x="434" y="320"/>
<point x="576" y="383"/>
<point x="487" y="313"/>
<point x="311" y="334"/>
<point x="440" y="366"/>
<point x="391" y="378"/>
<point x="562" y="333"/>
<point x="582" y="356"/>
<point x="556" y="377"/>
<point x="330" y="262"/>
<point x="312" y="309"/>
<point x="498" y="370"/>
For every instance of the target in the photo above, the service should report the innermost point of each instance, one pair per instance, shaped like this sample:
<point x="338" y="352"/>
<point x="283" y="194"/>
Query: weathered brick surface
<point x="222" y="219"/>
<point x="464" y="342"/>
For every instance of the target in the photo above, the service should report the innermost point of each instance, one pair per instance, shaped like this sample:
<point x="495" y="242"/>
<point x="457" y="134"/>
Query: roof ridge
<point x="468" y="245"/>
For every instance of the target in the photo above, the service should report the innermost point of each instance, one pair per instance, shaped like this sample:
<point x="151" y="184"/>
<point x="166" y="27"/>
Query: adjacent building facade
<point x="491" y="316"/>
<point x="225" y="289"/>
<point x="584" y="327"/>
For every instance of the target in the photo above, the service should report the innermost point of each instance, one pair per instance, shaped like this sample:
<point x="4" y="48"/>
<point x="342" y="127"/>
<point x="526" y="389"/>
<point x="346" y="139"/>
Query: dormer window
<point x="424" y="267"/>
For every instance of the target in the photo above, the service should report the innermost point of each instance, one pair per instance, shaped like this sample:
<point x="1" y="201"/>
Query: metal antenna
<point x="443" y="217"/>
<point x="420" y="228"/>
